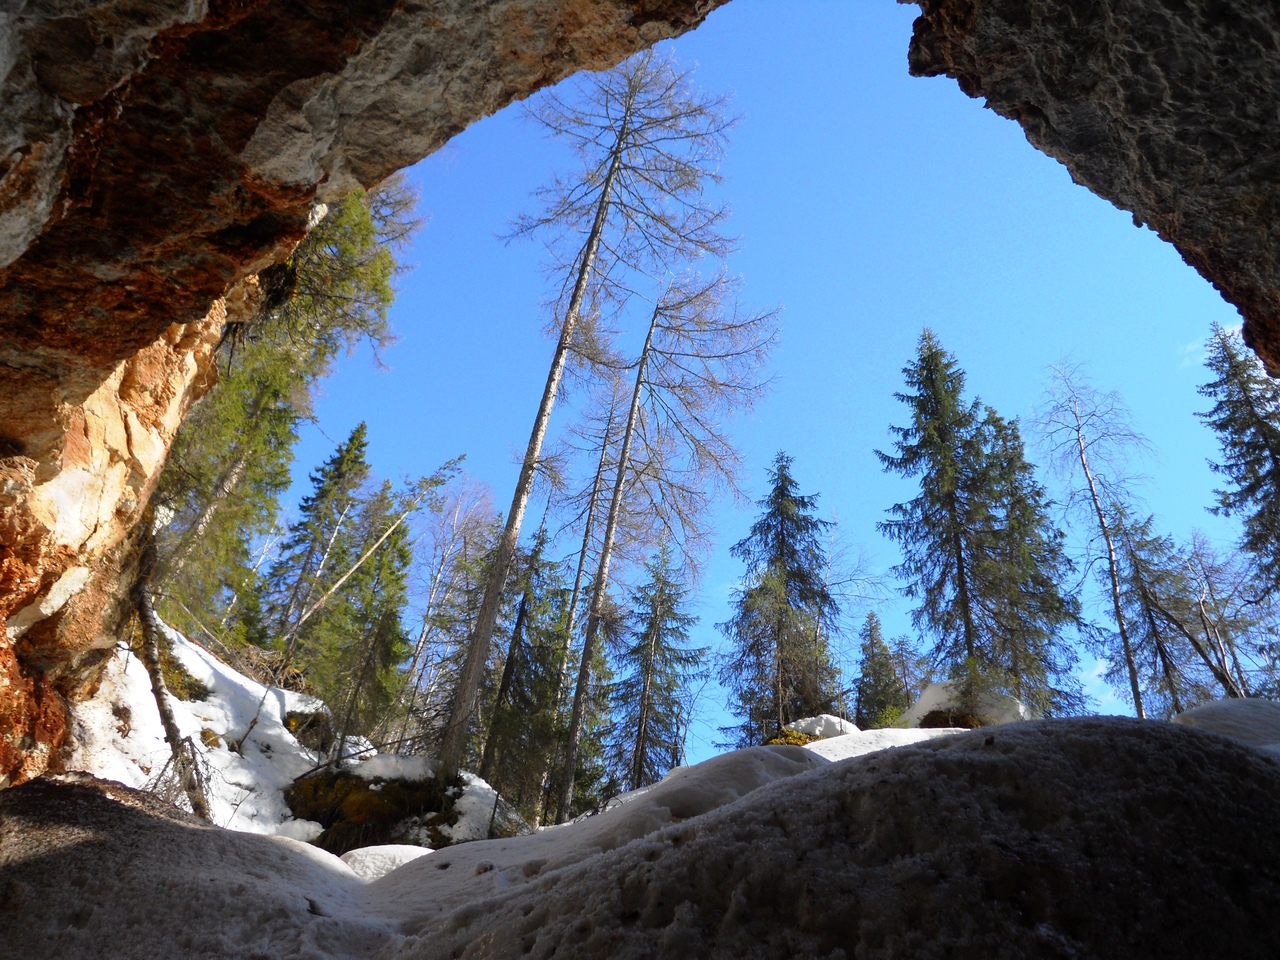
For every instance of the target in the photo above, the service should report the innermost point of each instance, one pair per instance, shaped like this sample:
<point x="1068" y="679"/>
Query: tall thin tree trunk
<point x="180" y="749"/>
<point x="504" y="686"/>
<point x="1113" y="570"/>
<point x="464" y="706"/>
<point x="582" y="690"/>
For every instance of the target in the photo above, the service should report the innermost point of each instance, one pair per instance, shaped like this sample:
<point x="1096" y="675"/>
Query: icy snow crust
<point x="1091" y="837"/>
<point x="370" y="863"/>
<point x="1066" y="838"/>
<point x="823" y="726"/>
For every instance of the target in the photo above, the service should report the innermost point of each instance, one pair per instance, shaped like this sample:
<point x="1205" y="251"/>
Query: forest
<point x="549" y="644"/>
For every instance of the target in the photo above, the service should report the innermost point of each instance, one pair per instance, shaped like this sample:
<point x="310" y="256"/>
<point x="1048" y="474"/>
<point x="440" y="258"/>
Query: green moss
<point x="360" y="813"/>
<point x="936" y="719"/>
<point x="790" y="738"/>
<point x="210" y="739"/>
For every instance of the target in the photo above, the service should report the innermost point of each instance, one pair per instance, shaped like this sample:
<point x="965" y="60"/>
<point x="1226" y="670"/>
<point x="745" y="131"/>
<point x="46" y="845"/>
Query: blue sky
<point x="869" y="204"/>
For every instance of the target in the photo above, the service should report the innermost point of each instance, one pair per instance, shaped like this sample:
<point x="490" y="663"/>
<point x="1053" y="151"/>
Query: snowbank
<point x="823" y="726"/>
<point x="1255" y="722"/>
<point x="1065" y="838"/>
<point x="869" y="741"/>
<point x="117" y="735"/>
<point x="993" y="708"/>
<point x="370" y="863"/>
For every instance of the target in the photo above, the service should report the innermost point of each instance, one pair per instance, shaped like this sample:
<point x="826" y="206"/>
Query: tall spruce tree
<point x="940" y="530"/>
<point x="779" y="667"/>
<point x="356" y="670"/>
<point x="1157" y="601"/>
<point x="1020" y="600"/>
<point x="651" y="712"/>
<point x="524" y="727"/>
<point x="880" y="693"/>
<point x="979" y="551"/>
<point x="229" y="463"/>
<point x="318" y="547"/>
<point x="1246" y="418"/>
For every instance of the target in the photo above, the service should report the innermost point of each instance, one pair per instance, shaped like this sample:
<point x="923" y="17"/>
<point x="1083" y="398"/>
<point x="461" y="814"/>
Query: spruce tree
<point x="524" y="727"/>
<point x="1156" y="598"/>
<point x="881" y="694"/>
<point x="650" y="716"/>
<point x="940" y="530"/>
<point x="353" y="664"/>
<point x="1246" y="417"/>
<point x="1019" y="600"/>
<point x="230" y="461"/>
<point x="979" y="551"/>
<point x="779" y="667"/>
<point x="318" y="547"/>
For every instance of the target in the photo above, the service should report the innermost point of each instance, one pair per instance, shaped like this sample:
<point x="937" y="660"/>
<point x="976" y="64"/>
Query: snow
<point x="993" y="708"/>
<point x="1035" y="839"/>
<point x="117" y="736"/>
<point x="472" y="872"/>
<point x="1251" y="721"/>
<point x="922" y="840"/>
<point x="475" y="809"/>
<point x="389" y="766"/>
<point x="869" y="741"/>
<point x="370" y="863"/>
<point x="823" y="726"/>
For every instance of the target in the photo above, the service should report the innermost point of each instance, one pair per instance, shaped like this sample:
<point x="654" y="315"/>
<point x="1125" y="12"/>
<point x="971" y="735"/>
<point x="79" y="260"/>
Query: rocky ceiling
<point x="155" y="154"/>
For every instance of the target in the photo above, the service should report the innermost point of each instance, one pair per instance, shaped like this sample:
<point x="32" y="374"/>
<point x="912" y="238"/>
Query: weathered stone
<point x="1168" y="110"/>
<point x="154" y="155"/>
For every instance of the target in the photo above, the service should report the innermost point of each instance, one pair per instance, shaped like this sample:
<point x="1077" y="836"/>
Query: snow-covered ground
<point x="117" y="735"/>
<point x="923" y="842"/>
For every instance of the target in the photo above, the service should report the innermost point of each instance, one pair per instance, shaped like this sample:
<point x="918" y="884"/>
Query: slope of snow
<point x="1066" y="838"/>
<point x="1251" y="721"/>
<point x="117" y="736"/>
<point x="869" y="741"/>
<point x="823" y="726"/>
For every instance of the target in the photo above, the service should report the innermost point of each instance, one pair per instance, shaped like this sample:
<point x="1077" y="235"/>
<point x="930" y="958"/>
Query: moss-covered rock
<point x="791" y="738"/>
<point x="356" y="812"/>
<point x="938" y="719"/>
<point x="313" y="730"/>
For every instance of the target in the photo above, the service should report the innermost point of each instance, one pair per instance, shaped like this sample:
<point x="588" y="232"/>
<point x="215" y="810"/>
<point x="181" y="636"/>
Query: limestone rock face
<point x="154" y="155"/>
<point x="1168" y="110"/>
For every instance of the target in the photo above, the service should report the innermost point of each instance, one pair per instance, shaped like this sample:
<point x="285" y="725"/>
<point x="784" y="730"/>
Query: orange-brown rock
<point x="154" y="153"/>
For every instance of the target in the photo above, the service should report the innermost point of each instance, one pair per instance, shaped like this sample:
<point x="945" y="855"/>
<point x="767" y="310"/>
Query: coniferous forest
<point x="559" y="638"/>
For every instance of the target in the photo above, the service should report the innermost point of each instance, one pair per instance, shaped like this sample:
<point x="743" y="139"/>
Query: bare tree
<point x="1090" y="439"/>
<point x="648" y="145"/>
<point x="700" y="362"/>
